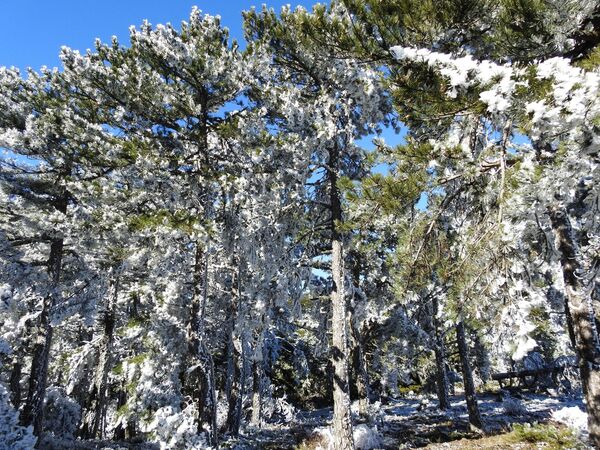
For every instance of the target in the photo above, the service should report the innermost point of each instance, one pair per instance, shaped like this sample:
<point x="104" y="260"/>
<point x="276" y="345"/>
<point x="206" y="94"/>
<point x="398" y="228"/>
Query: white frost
<point x="573" y="417"/>
<point x="365" y="438"/>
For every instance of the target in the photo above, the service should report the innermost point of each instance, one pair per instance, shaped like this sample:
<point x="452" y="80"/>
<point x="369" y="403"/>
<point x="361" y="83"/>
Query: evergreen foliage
<point x="194" y="244"/>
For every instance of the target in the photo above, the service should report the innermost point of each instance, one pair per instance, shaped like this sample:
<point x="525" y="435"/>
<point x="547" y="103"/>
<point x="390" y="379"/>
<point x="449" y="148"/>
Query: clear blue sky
<point x="32" y="31"/>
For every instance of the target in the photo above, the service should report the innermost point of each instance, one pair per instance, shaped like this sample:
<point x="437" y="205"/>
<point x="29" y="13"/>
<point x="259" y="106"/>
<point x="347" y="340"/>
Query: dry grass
<point x="522" y="437"/>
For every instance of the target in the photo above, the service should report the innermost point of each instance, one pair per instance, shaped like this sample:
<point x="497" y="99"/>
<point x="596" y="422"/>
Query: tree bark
<point x="235" y="360"/>
<point x="33" y="410"/>
<point x="442" y="383"/>
<point x="471" y="397"/>
<point x="97" y="416"/>
<point x="579" y="307"/>
<point x="256" y="418"/>
<point x="360" y="373"/>
<point x="15" y="384"/>
<point x="119" y="433"/>
<point x="258" y="369"/>
<point x="342" y="418"/>
<point x="440" y="360"/>
<point x="213" y="402"/>
<point x="482" y="360"/>
<point x="198" y="366"/>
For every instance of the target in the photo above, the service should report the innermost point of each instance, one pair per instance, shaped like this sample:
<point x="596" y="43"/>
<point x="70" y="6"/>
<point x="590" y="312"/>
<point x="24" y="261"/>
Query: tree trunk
<point x="235" y="361"/>
<point x="482" y="358"/>
<point x="207" y="401"/>
<point x="234" y="389"/>
<point x="33" y="410"/>
<point x="471" y="397"/>
<point x="360" y="373"/>
<point x="212" y="393"/>
<point x="256" y="418"/>
<point x="258" y="370"/>
<point x="15" y="384"/>
<point x="95" y="423"/>
<point x="579" y="306"/>
<point x="119" y="433"/>
<point x="342" y="419"/>
<point x="197" y="376"/>
<point x="442" y="383"/>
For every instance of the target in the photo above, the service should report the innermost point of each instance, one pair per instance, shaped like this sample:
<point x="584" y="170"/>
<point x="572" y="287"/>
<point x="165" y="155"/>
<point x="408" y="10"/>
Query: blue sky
<point x="32" y="31"/>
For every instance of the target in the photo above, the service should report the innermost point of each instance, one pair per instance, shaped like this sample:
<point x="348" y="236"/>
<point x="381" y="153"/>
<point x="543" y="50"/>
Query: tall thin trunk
<point x="471" y="397"/>
<point x="342" y="418"/>
<point x="359" y="370"/>
<point x="97" y="416"/>
<point x="192" y="383"/>
<point x="235" y="360"/>
<point x="127" y="430"/>
<point x="207" y="402"/>
<point x="360" y="373"/>
<point x="33" y="410"/>
<point x="442" y="383"/>
<point x="258" y="373"/>
<point x="440" y="359"/>
<point x="579" y="307"/>
<point x="570" y="327"/>
<point x="212" y="394"/>
<point x="197" y="366"/>
<point x="482" y="358"/>
<point x="119" y="433"/>
<point x="256" y="418"/>
<point x="15" y="383"/>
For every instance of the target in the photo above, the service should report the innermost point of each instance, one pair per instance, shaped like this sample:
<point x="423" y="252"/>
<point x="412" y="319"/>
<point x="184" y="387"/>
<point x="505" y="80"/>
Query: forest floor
<point x="523" y="421"/>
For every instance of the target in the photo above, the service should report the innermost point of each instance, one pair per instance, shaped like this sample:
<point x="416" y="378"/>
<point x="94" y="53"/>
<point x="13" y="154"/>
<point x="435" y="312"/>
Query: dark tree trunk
<point x="33" y="410"/>
<point x="207" y="402"/>
<point x="259" y="369"/>
<point x="233" y="391"/>
<point x="235" y="379"/>
<point x="119" y="433"/>
<point x="95" y="422"/>
<point x="442" y="383"/>
<point x="257" y="374"/>
<point x="481" y="358"/>
<point x="440" y="359"/>
<point x="15" y="384"/>
<point x="201" y="383"/>
<point x="359" y="371"/>
<point x="197" y="367"/>
<point x="342" y="418"/>
<point x="581" y="313"/>
<point x="471" y="397"/>
<point x="212" y="393"/>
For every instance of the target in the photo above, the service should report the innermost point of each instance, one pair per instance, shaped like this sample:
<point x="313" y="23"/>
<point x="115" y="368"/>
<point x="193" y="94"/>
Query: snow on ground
<point x="416" y="422"/>
<point x="365" y="438"/>
<point x="573" y="417"/>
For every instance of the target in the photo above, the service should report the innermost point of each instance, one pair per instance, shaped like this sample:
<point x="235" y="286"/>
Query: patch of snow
<point x="573" y="417"/>
<point x="365" y="438"/>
